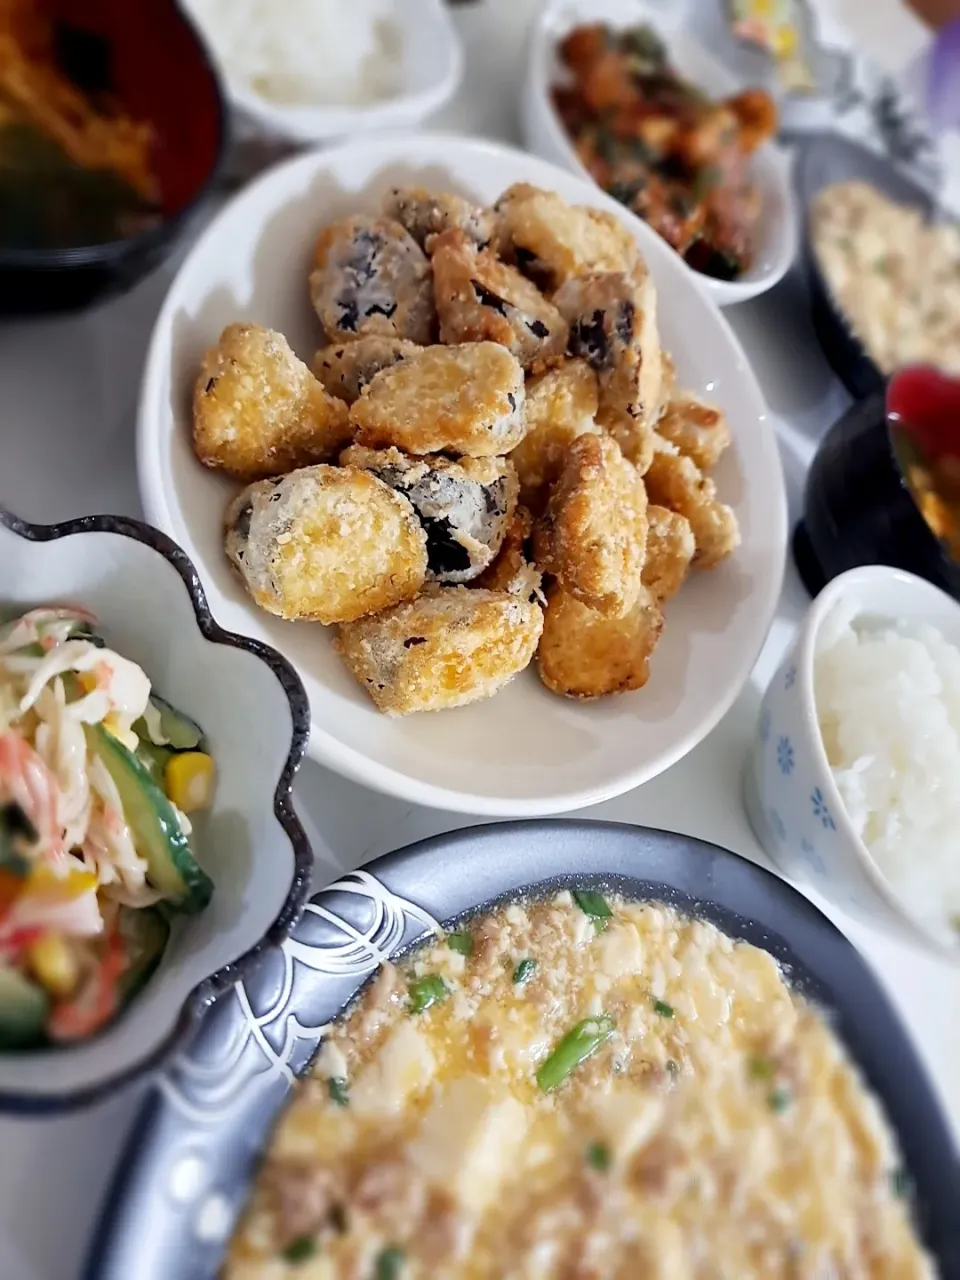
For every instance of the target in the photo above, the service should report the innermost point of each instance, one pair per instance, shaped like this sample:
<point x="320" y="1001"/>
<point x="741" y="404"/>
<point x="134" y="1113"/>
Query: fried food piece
<point x="756" y="116"/>
<point x="479" y="299"/>
<point x="585" y="654"/>
<point x="329" y="544"/>
<point x="697" y="429"/>
<point x="514" y="570"/>
<point x="258" y="411"/>
<point x="347" y="367"/>
<point x="371" y="277"/>
<point x="668" y="383"/>
<point x="445" y="649"/>
<point x="593" y="534"/>
<point x="561" y="405"/>
<point x="466" y="399"/>
<point x="670" y="548"/>
<point x="676" y="482"/>
<point x="613" y="325"/>
<point x="551" y="241"/>
<point x="464" y="507"/>
<point x="428" y="214"/>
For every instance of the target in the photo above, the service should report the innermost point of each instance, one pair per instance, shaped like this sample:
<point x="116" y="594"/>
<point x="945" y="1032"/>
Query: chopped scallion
<point x="578" y="1044"/>
<point x="673" y="1067"/>
<point x="339" y="1094"/>
<point x="592" y="904"/>
<point x="389" y="1263"/>
<point x="461" y="942"/>
<point x="598" y="1156"/>
<point x="524" y="971"/>
<point x="778" y="1099"/>
<point x="760" y="1068"/>
<point x="427" y="991"/>
<point x="665" y="1010"/>
<point x="299" y="1250"/>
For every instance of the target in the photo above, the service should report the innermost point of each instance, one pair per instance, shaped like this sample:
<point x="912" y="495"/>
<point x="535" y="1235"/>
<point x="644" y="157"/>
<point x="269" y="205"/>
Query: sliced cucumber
<point x="23" y="1010"/>
<point x="171" y="866"/>
<point x="145" y="932"/>
<point x="154" y="759"/>
<point x="180" y="732"/>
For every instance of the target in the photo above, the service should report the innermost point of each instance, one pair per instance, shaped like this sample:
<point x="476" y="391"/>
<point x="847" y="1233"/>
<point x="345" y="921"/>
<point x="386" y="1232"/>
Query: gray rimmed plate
<point x="187" y="1171"/>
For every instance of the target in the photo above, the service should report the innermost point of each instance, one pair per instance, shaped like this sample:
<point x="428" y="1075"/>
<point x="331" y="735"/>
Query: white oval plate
<point x="526" y="751"/>
<point x="544" y="134"/>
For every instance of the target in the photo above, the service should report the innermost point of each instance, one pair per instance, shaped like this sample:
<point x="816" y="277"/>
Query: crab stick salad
<point x="97" y="778"/>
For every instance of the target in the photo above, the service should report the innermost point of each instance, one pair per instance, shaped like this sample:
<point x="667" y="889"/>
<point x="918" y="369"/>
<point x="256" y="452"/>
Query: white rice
<point x="306" y="52"/>
<point x="888" y="703"/>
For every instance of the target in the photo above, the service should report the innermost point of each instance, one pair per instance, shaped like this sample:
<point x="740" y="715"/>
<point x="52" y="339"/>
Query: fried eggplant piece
<point x="585" y="654"/>
<point x="551" y="241"/>
<point x="514" y="570"/>
<point x="371" y="277"/>
<point x="479" y="298"/>
<point x="465" y="506"/>
<point x="465" y="399"/>
<point x="445" y="649"/>
<point x="428" y="214"/>
<point x="347" y="367"/>
<point x="561" y="405"/>
<point x="676" y="482"/>
<point x="328" y="544"/>
<point x="593" y="535"/>
<point x="698" y="430"/>
<point x="670" y="549"/>
<point x="258" y="411"/>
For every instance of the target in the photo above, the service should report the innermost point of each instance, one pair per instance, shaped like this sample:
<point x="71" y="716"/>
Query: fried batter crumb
<point x="561" y="405"/>
<point x="676" y="482"/>
<point x="670" y="548"/>
<point x="697" y="429"/>
<point x="514" y="570"/>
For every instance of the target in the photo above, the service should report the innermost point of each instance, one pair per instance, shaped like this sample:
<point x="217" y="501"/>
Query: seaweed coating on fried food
<point x="444" y="649"/>
<point x="593" y="534"/>
<point x="514" y="570"/>
<point x="551" y="241"/>
<point x="466" y="400"/>
<point x="697" y="429"/>
<point x="585" y="654"/>
<point x="371" y="277"/>
<point x="258" y="411"/>
<point x="464" y="506"/>
<point x="428" y="214"/>
<point x="561" y="405"/>
<point x="676" y="482"/>
<point x="347" y="367"/>
<point x="613" y="325"/>
<point x="670" y="549"/>
<point x="328" y="544"/>
<point x="479" y="298"/>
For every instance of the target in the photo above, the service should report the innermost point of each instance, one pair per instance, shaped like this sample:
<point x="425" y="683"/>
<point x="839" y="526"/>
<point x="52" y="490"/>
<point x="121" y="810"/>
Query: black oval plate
<point x="186" y="1173"/>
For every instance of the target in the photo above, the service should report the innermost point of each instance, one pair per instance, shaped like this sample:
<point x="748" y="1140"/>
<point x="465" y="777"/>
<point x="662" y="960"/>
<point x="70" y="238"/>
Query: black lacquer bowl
<point x="188" y="1168"/>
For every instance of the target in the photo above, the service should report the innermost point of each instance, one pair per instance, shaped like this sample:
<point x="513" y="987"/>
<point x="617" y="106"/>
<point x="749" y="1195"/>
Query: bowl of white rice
<point x="853" y="781"/>
<point x="304" y="71"/>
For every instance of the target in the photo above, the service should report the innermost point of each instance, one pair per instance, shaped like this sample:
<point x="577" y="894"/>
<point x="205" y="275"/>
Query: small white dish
<point x="151" y="608"/>
<point x="431" y="69"/>
<point x="525" y="752"/>
<point x="790" y="795"/>
<point x="544" y="134"/>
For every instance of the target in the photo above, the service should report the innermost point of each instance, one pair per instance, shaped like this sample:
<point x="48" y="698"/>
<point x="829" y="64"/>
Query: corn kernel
<point x="53" y="964"/>
<point x="188" y="778"/>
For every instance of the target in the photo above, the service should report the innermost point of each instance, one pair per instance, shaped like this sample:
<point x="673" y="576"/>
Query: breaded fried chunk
<point x="613" y="325"/>
<point x="668" y="383"/>
<point x="258" y="411"/>
<point x="585" y="654"/>
<point x="561" y="405"/>
<point x="676" y="482"/>
<point x="514" y="570"/>
<point x="670" y="548"/>
<point x="550" y="241"/>
<point x="464" y="506"/>
<point x="466" y="399"/>
<point x="371" y="277"/>
<point x="328" y="544"/>
<point x="347" y="367"/>
<point x="479" y="299"/>
<point x="445" y="649"/>
<point x="697" y="429"/>
<point x="428" y="214"/>
<point x="593" y="534"/>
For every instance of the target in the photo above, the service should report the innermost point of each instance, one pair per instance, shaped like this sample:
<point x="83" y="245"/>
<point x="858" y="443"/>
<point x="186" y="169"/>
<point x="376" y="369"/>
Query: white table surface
<point x="67" y="399"/>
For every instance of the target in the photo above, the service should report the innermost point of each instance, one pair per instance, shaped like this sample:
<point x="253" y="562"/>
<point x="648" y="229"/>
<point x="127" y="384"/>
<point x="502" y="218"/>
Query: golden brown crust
<point x="328" y="544"/>
<point x="258" y="411"/>
<point x="585" y="654"/>
<point x="371" y="277"/>
<point x="446" y="649"/>
<point x="345" y="368"/>
<point x="514" y="570"/>
<point x="697" y="429"/>
<point x="670" y="549"/>
<point x="481" y="299"/>
<point x="428" y="214"/>
<point x="561" y="405"/>
<point x="676" y="482"/>
<point x="464" y="399"/>
<point x="668" y="383"/>
<point x="593" y="534"/>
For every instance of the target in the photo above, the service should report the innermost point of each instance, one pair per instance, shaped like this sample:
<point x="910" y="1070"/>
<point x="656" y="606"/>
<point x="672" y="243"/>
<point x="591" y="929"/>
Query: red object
<point x="925" y="404"/>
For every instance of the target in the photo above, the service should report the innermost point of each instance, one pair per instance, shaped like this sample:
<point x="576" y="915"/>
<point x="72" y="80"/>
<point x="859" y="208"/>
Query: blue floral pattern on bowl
<point x="820" y="810"/>
<point x="790" y="676"/>
<point x="785" y="755"/>
<point x="813" y="858"/>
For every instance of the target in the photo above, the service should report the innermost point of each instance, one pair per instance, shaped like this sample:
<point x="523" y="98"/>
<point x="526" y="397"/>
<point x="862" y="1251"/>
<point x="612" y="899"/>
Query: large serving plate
<point x="187" y="1171"/>
<point x="525" y="752"/>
